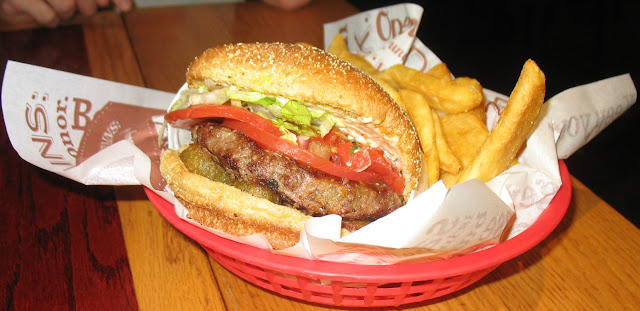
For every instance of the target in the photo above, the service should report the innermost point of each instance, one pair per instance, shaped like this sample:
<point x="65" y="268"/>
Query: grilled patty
<point x="298" y="186"/>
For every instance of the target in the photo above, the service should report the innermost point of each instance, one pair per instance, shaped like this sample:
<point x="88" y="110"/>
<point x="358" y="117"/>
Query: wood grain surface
<point x="67" y="246"/>
<point x="62" y="243"/>
<point x="167" y="265"/>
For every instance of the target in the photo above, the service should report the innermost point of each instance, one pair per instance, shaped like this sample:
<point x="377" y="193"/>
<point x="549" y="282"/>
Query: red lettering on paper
<point x="360" y="43"/>
<point x="397" y="50"/>
<point x="38" y="120"/>
<point x="46" y="142"/>
<point x="388" y="28"/>
<point x="80" y="115"/>
<point x="423" y="58"/>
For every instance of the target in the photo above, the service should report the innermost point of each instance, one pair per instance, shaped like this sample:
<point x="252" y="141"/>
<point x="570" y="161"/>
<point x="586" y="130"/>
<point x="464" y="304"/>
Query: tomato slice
<point x="359" y="160"/>
<point x="382" y="166"/>
<point x="185" y="118"/>
<point x="373" y="160"/>
<point x="285" y="147"/>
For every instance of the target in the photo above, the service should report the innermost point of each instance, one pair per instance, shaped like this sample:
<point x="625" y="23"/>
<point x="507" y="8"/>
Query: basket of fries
<point x="352" y="285"/>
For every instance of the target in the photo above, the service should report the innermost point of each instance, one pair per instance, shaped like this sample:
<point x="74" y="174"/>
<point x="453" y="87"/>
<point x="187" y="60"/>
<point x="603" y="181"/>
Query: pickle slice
<point x="201" y="162"/>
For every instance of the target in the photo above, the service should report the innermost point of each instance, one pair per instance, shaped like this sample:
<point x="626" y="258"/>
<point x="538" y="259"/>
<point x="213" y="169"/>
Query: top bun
<point x="310" y="75"/>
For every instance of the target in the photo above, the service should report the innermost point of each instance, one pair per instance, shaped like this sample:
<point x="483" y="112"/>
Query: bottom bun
<point x="228" y="209"/>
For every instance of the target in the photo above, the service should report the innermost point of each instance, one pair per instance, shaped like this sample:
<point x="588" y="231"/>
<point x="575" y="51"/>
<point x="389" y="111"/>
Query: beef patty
<point x="298" y="186"/>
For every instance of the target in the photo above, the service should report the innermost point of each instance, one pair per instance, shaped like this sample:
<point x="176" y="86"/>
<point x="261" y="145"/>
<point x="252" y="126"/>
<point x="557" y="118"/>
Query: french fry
<point x="358" y="61"/>
<point x="338" y="47"/>
<point x="449" y="179"/>
<point x="383" y="76"/>
<point x="480" y="112"/>
<point x="465" y="134"/>
<point x="513" y="128"/>
<point x="393" y="92"/>
<point x="454" y="96"/>
<point x="419" y="112"/>
<point x="305" y="44"/>
<point x="448" y="161"/>
<point x="440" y="71"/>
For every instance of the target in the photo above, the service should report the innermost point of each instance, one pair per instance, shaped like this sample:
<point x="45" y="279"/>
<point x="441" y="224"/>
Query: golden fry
<point x="465" y="134"/>
<point x="454" y="96"/>
<point x="391" y="90"/>
<point x="440" y="71"/>
<point x="513" y="128"/>
<point x="480" y="112"/>
<point x="382" y="76"/>
<point x="448" y="161"/>
<point x="305" y="44"/>
<point x="419" y="112"/>
<point x="449" y="179"/>
<point x="338" y="47"/>
<point x="358" y="61"/>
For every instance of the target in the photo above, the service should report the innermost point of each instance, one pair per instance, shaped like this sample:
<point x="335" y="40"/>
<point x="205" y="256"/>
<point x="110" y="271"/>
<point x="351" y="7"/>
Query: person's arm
<point x="287" y="4"/>
<point x="51" y="12"/>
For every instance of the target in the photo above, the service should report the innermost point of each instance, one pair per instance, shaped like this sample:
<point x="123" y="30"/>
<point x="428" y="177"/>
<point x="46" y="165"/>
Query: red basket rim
<point x="480" y="260"/>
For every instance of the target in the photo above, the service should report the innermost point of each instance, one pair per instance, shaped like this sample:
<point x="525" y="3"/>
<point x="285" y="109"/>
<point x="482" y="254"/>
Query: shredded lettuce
<point x="325" y="123"/>
<point x="267" y="101"/>
<point x="297" y="113"/>
<point x="292" y="116"/>
<point x="251" y="97"/>
<point x="178" y="104"/>
<point x="203" y="88"/>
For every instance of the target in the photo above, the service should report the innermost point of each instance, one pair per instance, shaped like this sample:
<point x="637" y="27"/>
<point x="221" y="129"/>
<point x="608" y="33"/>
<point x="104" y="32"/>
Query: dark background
<point x="573" y="42"/>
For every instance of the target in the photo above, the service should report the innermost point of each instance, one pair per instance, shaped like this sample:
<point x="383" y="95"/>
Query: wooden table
<point x="69" y="246"/>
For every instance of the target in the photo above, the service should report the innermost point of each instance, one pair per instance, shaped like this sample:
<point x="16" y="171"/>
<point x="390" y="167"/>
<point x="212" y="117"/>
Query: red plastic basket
<point x="350" y="285"/>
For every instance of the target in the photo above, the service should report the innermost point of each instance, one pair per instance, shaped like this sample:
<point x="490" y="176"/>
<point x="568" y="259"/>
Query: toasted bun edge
<point x="229" y="209"/>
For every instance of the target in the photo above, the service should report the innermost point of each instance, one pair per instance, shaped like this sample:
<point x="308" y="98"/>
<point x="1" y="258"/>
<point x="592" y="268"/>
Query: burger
<point x="284" y="132"/>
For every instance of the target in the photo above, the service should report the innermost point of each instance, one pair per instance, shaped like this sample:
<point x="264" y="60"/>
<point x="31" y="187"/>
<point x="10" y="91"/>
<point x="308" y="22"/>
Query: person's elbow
<point x="288" y="5"/>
